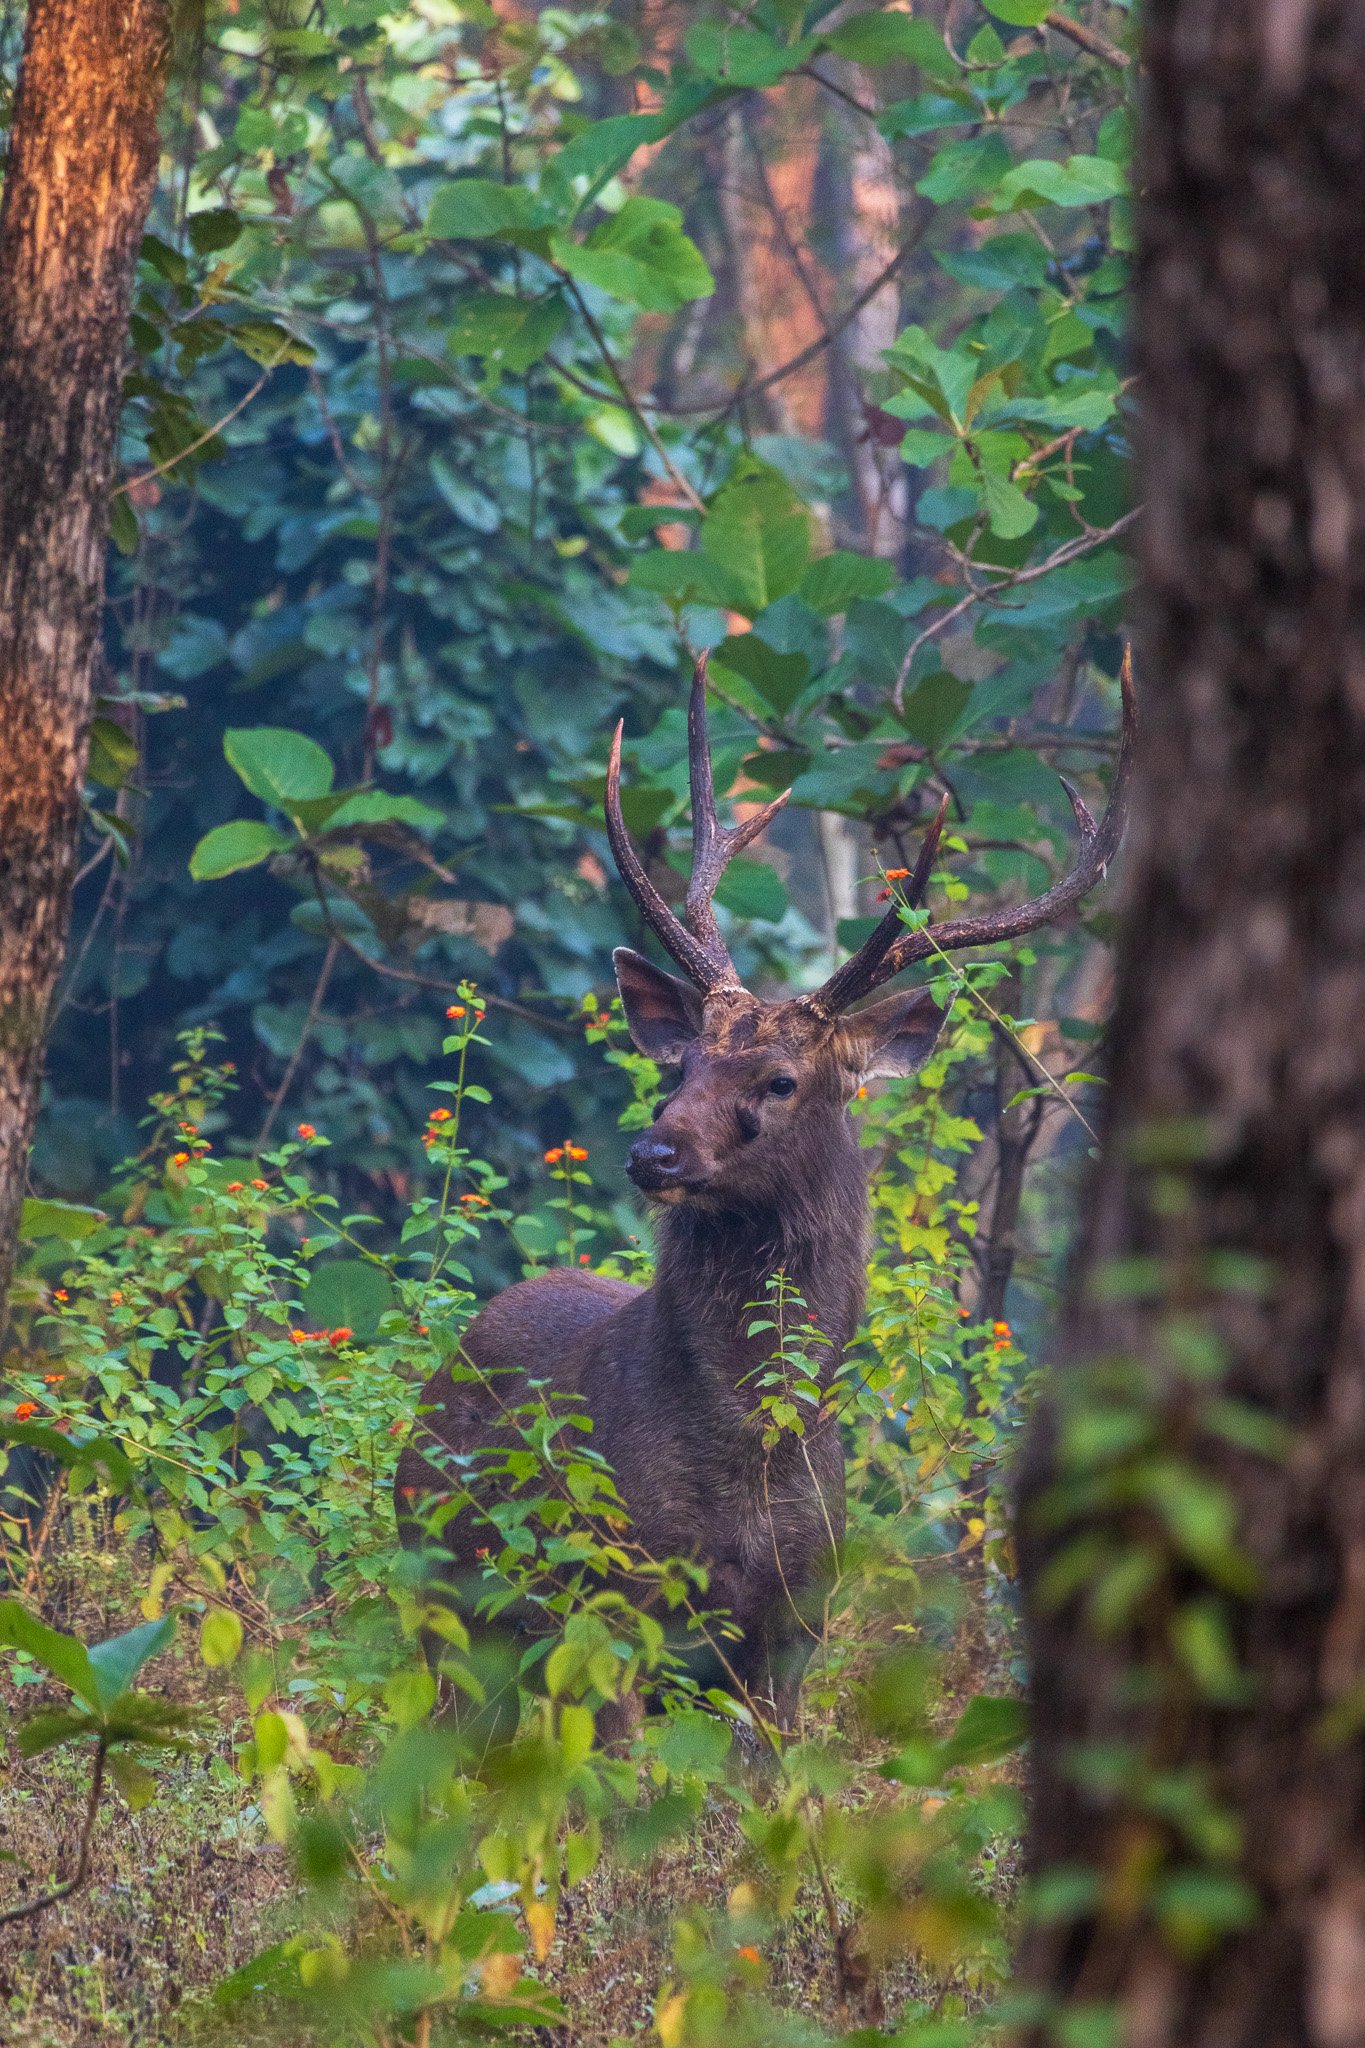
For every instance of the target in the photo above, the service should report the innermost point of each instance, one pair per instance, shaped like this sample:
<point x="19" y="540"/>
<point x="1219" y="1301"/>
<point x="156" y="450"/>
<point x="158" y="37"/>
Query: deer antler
<point x="891" y="947"/>
<point x="696" y="945"/>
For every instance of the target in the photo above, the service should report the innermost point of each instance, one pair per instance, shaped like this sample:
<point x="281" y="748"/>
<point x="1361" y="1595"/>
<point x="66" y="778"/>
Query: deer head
<point x="762" y="1083"/>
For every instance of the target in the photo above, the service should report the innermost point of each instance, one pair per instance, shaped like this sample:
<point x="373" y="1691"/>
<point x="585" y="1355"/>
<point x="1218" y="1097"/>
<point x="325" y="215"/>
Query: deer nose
<point x="653" y="1164"/>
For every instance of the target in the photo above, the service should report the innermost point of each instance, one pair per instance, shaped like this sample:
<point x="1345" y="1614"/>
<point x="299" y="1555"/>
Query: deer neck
<point x="714" y="1265"/>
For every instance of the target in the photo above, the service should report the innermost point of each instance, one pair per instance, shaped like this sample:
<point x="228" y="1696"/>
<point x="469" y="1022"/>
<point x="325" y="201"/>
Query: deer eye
<point x="782" y="1084"/>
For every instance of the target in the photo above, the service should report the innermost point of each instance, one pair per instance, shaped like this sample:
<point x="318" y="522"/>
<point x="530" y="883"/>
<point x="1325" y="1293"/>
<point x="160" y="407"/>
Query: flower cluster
<point x="565" y="1151"/>
<point x="891" y="875"/>
<point x="1003" y="1336"/>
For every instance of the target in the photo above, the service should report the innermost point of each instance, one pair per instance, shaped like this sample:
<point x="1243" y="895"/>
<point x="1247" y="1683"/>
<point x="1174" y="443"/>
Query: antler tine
<point x="690" y="953"/>
<point x="891" y="947"/>
<point x="862" y="973"/>
<point x="714" y="846"/>
<point x="1099" y="844"/>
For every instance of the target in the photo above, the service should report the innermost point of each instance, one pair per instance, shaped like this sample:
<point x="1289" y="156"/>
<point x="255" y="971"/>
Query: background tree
<point x="1194" y="1517"/>
<point x="78" y="182"/>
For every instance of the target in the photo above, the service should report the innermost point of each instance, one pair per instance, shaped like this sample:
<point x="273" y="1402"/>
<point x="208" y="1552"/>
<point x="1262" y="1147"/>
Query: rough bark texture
<point x="1238" y="1102"/>
<point x="78" y="183"/>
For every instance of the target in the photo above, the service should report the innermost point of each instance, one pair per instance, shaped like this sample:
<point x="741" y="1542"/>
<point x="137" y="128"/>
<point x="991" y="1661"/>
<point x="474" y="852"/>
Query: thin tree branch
<point x="163" y="468"/>
<point x="1089" y="39"/>
<point x="1069" y="552"/>
<point x="314" y="1009"/>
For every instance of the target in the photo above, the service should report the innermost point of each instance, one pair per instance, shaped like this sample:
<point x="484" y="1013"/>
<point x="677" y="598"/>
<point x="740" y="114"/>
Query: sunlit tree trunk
<point x="1198" y="1722"/>
<point x="78" y="182"/>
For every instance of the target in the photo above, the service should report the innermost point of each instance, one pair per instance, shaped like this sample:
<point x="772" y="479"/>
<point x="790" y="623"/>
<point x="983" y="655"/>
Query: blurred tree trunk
<point x="1199" y="1799"/>
<point x="78" y="182"/>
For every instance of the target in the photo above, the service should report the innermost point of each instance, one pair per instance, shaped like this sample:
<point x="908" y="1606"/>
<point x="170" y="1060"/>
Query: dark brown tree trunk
<point x="1198" y="1721"/>
<point x="78" y="182"/>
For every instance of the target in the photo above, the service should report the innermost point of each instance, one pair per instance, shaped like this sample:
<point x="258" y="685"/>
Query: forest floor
<point x="192" y="1887"/>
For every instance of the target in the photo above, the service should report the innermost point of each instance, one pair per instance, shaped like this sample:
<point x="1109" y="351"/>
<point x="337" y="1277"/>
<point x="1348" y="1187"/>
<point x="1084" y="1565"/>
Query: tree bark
<point x="1199" y="1799"/>
<point x="78" y="182"/>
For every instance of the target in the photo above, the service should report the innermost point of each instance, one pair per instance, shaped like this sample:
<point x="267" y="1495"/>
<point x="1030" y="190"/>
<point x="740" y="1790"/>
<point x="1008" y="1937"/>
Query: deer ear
<point x="895" y="1036"/>
<point x="664" y="1014"/>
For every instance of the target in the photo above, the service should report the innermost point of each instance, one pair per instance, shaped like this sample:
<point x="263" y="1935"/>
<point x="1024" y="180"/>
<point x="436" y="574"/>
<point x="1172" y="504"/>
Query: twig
<point x="1013" y="581"/>
<point x="163" y="468"/>
<point x="824" y="340"/>
<point x="44" y="1534"/>
<point x="432" y="981"/>
<point x="1089" y="39"/>
<point x="632" y="404"/>
<point x="82" y="1871"/>
<point x="320" y="990"/>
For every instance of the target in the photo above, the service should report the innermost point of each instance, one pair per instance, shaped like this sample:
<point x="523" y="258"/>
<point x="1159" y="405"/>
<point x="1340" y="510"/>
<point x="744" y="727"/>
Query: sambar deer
<point x="754" y="1165"/>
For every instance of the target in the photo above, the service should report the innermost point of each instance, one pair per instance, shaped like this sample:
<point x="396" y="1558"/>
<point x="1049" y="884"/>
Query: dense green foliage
<point x="446" y="445"/>
<point x="391" y="371"/>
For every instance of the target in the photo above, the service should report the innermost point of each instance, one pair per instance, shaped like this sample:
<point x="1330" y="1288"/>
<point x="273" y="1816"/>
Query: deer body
<point x="754" y="1165"/>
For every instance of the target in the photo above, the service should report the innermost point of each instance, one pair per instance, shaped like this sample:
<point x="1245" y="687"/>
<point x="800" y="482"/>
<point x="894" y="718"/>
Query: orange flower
<point x="474" y="1201"/>
<point x="61" y="1295"/>
<point x="234" y="1187"/>
<point x="52" y="1379"/>
<point x="307" y="1131"/>
<point x="180" y="1159"/>
<point x="883" y="896"/>
<point x="861" y="1093"/>
<point x="896" y="874"/>
<point x="554" y="1155"/>
<point x="409" y="1493"/>
<point x="229" y="1066"/>
<point x="482" y="1551"/>
<point x="190" y="1130"/>
<point x="397" y="1428"/>
<point x="576" y="1151"/>
<point x="455" y="1010"/>
<point x="298" y="1336"/>
<point x="1001" y="1329"/>
<point x="341" y="1335"/>
<point x="749" y="1953"/>
<point x="479" y="1016"/>
<point x="262" y="1184"/>
<point x="439" y="1116"/>
<point x="24" y="1410"/>
<point x="117" y="1297"/>
<point x="424" y="1329"/>
<point x="428" y="1139"/>
<point x="585" y="1258"/>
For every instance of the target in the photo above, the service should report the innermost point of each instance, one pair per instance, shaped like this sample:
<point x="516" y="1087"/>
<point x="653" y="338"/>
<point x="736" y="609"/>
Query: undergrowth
<point x="215" y="1681"/>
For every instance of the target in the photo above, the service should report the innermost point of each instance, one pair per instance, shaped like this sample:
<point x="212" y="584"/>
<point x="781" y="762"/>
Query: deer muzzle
<point x="655" y="1166"/>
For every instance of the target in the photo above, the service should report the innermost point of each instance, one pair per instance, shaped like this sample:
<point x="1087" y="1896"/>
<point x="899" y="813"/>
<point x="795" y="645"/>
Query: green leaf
<point x="133" y="1779"/>
<point x="123" y="527"/>
<point x="71" y="1220"/>
<point x="479" y="210"/>
<point x="113" y="753"/>
<point x="350" y="1294"/>
<point x="743" y="56"/>
<point x="245" y="843"/>
<point x="50" y="1729"/>
<point x="220" y="1637"/>
<point x="987" y="1728"/>
<point x="1080" y="181"/>
<point x="961" y="170"/>
<point x="933" y="708"/>
<point x="757" y="533"/>
<point x="97" y="1452"/>
<point x="750" y="888"/>
<point x="67" y="1659"/>
<point x="378" y="807"/>
<point x="639" y="254"/>
<point x="1010" y="512"/>
<point x="215" y="229"/>
<point x="831" y="584"/>
<point x="890" y="38"/>
<point x="779" y="678"/>
<point x="116" y="1663"/>
<point x="269" y="344"/>
<point x="509" y="332"/>
<point x="1019" y="13"/>
<point x="277" y="765"/>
